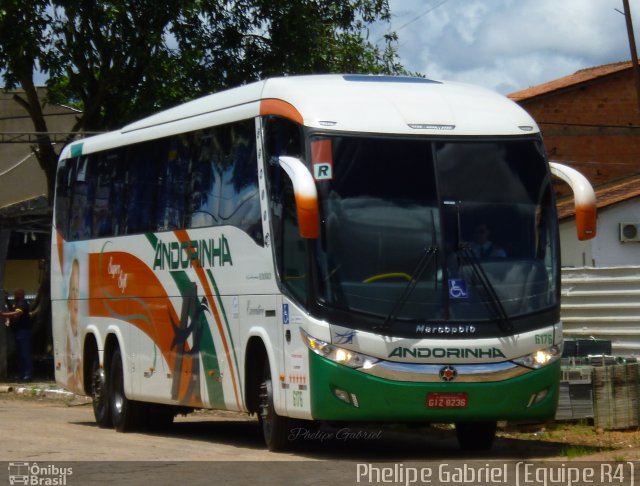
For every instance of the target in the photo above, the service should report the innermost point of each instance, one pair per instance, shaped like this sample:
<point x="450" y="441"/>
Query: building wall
<point x="601" y="299"/>
<point x="22" y="274"/>
<point x="21" y="177"/>
<point x="603" y="303"/>
<point x="573" y="252"/>
<point x="606" y="249"/>
<point x="594" y="127"/>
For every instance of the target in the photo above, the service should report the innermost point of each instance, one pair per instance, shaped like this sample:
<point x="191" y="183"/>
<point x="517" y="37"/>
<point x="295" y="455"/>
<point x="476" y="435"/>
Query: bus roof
<point x="351" y="103"/>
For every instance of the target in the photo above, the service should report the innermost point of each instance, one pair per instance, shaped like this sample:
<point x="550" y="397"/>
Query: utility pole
<point x="632" y="46"/>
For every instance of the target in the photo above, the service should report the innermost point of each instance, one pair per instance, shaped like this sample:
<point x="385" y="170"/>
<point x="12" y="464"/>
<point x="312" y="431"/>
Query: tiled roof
<point x="578" y="77"/>
<point x="606" y="195"/>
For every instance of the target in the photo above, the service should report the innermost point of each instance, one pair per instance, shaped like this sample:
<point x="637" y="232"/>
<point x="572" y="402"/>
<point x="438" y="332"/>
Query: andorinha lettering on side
<point x="179" y="255"/>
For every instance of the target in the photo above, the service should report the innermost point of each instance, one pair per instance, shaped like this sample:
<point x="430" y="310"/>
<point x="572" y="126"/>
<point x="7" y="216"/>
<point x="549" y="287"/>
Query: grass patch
<point x="573" y="451"/>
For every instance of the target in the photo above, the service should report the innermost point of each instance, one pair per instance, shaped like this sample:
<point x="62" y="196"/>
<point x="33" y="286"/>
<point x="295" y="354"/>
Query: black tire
<point x="476" y="436"/>
<point x="100" y="394"/>
<point x="275" y="429"/>
<point x="125" y="413"/>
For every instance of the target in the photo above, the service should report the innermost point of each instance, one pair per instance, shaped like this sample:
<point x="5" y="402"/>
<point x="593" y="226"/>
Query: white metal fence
<point x="603" y="303"/>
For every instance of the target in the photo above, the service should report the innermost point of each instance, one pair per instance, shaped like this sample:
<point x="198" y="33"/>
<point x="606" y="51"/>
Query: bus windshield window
<point x="379" y="216"/>
<point x="428" y="231"/>
<point x="497" y="217"/>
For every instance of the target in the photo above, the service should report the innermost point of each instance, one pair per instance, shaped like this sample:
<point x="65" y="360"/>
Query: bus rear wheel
<point x="476" y="436"/>
<point x="275" y="429"/>
<point x="124" y="412"/>
<point x="99" y="394"/>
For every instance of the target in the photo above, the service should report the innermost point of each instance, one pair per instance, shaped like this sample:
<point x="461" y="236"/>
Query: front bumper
<point x="381" y="399"/>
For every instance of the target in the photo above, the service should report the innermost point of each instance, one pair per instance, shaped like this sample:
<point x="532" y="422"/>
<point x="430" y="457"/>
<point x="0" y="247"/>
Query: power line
<point x="421" y="15"/>
<point x="34" y="137"/>
<point x="429" y="9"/>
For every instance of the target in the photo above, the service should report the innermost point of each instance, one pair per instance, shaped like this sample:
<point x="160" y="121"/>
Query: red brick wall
<point x="594" y="127"/>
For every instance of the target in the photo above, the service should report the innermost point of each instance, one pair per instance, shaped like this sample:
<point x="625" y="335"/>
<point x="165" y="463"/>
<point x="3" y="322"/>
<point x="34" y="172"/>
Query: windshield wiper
<point x="493" y="300"/>
<point x="424" y="263"/>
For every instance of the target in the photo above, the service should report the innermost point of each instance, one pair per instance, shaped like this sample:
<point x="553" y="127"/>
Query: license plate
<point x="447" y="400"/>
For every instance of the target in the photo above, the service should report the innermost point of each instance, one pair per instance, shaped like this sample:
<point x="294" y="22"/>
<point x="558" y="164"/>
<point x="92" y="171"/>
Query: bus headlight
<point x="336" y="354"/>
<point x="541" y="357"/>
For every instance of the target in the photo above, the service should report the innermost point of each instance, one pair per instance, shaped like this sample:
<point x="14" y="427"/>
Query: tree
<point x="23" y="45"/>
<point x="119" y="60"/>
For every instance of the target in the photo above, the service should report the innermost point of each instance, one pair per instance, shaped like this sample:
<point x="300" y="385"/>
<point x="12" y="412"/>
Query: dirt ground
<point x="575" y="441"/>
<point x="582" y="441"/>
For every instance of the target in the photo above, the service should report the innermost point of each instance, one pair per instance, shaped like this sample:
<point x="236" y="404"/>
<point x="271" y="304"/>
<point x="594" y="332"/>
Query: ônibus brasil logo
<point x="35" y="474"/>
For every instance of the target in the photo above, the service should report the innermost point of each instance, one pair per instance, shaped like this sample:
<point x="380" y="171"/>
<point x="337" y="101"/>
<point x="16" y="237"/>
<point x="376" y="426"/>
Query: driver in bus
<point x="481" y="244"/>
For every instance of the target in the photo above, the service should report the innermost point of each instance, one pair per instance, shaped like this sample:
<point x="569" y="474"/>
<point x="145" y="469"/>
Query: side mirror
<point x="306" y="194"/>
<point x="584" y="199"/>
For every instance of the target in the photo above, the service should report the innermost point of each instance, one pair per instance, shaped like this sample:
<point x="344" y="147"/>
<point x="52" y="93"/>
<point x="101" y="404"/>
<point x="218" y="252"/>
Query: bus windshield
<point x="417" y="230"/>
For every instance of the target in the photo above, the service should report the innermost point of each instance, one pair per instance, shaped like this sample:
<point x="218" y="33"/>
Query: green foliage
<point x="575" y="451"/>
<point x="25" y="38"/>
<point x="119" y="60"/>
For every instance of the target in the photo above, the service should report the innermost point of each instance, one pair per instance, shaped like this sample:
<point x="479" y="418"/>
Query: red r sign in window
<point x="322" y="159"/>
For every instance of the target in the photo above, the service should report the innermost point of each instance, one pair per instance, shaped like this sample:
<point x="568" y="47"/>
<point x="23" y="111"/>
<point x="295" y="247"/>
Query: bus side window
<point x="141" y="177"/>
<point x="225" y="179"/>
<point x="203" y="181"/>
<point x="81" y="202"/>
<point x="64" y="186"/>
<point x="172" y="183"/>
<point x="106" y="204"/>
<point x="282" y="137"/>
<point x="290" y="248"/>
<point x="241" y="187"/>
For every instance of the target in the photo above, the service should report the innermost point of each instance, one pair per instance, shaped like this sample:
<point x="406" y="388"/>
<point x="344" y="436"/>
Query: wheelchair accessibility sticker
<point x="458" y="288"/>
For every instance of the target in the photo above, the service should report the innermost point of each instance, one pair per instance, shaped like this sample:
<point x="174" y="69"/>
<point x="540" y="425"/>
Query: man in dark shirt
<point x="20" y="323"/>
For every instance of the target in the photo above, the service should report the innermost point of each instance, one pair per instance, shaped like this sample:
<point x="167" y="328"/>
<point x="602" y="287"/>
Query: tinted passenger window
<point x="196" y="179"/>
<point x="225" y="179"/>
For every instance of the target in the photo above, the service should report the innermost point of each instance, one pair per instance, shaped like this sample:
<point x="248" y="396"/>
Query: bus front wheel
<point x="275" y="429"/>
<point x="476" y="436"/>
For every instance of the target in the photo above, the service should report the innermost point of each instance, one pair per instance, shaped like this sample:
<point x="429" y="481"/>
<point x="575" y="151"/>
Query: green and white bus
<point x="323" y="248"/>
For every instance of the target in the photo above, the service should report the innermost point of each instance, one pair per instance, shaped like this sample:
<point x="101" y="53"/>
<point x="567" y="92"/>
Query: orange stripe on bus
<point x="60" y="245"/>
<point x="271" y="106"/>
<point x="183" y="236"/>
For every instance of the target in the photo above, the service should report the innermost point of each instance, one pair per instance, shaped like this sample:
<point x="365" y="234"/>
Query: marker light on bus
<point x="337" y="354"/>
<point x="538" y="397"/>
<point x="541" y="357"/>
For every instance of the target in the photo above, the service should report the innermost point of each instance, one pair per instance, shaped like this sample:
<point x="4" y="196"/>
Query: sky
<point x="505" y="45"/>
<point x="508" y="45"/>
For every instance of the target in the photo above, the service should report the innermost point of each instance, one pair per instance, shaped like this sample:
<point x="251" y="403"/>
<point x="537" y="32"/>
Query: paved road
<point x="50" y="432"/>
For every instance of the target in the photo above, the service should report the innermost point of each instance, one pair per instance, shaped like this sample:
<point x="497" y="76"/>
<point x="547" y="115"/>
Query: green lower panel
<point x="381" y="399"/>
